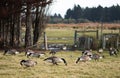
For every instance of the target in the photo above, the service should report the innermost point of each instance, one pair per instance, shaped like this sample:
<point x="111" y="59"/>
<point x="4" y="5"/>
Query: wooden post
<point x="117" y="42"/>
<point x="119" y="38"/>
<point x="119" y="31"/>
<point x="75" y="37"/>
<point x="103" y="41"/>
<point x="45" y="41"/>
<point x="97" y="35"/>
<point x="101" y="37"/>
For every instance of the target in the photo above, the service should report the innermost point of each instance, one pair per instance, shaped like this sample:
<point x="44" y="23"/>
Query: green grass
<point x="53" y="33"/>
<point x="109" y="67"/>
<point x="69" y="33"/>
<point x="60" y="32"/>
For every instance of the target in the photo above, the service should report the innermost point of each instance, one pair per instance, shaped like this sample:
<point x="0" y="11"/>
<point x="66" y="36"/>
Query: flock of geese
<point x="86" y="56"/>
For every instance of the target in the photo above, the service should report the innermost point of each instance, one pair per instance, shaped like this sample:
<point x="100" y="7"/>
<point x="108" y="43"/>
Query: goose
<point x="83" y="58"/>
<point x="36" y="54"/>
<point x="97" y="56"/>
<point x="28" y="63"/>
<point x="53" y="52"/>
<point x="87" y="52"/>
<point x="28" y="51"/>
<point x="32" y="53"/>
<point x="11" y="51"/>
<point x="100" y="51"/>
<point x="55" y="60"/>
<point x="113" y="51"/>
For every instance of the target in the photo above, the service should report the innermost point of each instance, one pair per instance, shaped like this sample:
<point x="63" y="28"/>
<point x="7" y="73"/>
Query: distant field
<point x="56" y="33"/>
<point x="65" y="36"/>
<point x="87" y="25"/>
<point x="109" y="67"/>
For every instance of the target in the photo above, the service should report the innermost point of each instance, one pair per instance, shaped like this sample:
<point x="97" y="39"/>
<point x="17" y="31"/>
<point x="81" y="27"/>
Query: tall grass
<point x="109" y="67"/>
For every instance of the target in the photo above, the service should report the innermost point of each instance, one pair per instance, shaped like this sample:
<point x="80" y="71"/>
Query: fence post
<point x="75" y="37"/>
<point x="45" y="41"/>
<point x="97" y="34"/>
<point x="101" y="36"/>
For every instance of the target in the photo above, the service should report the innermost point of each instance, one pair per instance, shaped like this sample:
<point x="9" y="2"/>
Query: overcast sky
<point x="61" y="6"/>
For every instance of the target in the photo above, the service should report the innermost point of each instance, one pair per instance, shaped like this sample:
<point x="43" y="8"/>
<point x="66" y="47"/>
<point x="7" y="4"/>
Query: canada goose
<point x="97" y="56"/>
<point x="64" y="47"/>
<point x="28" y="63"/>
<point x="53" y="52"/>
<point x="113" y="51"/>
<point x="28" y="51"/>
<point x="34" y="53"/>
<point x="83" y="58"/>
<point x="55" y="60"/>
<point x="11" y="51"/>
<point x="100" y="50"/>
<point x="87" y="52"/>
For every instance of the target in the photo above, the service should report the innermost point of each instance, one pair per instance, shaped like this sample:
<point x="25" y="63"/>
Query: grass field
<point x="109" y="67"/>
<point x="67" y="31"/>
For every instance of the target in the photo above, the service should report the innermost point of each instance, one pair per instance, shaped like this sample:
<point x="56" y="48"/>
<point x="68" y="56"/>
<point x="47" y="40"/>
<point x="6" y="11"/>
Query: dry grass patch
<point x="108" y="67"/>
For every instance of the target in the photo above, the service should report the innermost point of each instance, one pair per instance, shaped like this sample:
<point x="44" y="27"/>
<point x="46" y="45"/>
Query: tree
<point x="77" y="12"/>
<point x="56" y="18"/>
<point x="95" y="14"/>
<point x="28" y="33"/>
<point x="68" y="14"/>
<point x="10" y="23"/>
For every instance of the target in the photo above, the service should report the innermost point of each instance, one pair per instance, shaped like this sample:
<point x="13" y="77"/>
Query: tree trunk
<point x="28" y="34"/>
<point x="18" y="37"/>
<point x="12" y="25"/>
<point x="39" y="24"/>
<point x="1" y="34"/>
<point x="36" y="28"/>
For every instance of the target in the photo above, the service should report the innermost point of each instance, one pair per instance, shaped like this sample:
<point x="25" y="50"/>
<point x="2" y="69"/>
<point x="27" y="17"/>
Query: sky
<point x="61" y="6"/>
